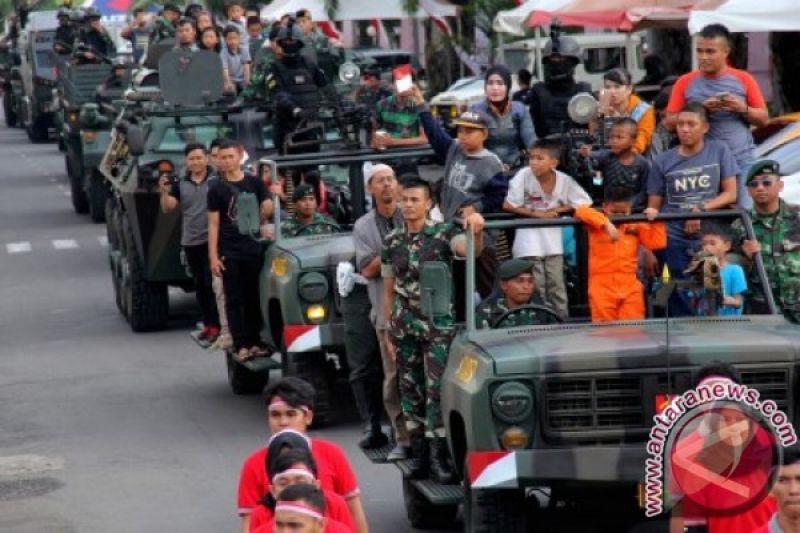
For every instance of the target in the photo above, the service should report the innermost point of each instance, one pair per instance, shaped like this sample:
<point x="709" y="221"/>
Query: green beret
<point x="764" y="166"/>
<point x="512" y="268"/>
<point x="301" y="191"/>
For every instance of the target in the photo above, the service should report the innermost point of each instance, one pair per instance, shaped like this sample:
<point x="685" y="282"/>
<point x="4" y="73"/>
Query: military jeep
<point x="36" y="109"/>
<point x="300" y="303"/>
<point x="549" y="423"/>
<point x="164" y="111"/>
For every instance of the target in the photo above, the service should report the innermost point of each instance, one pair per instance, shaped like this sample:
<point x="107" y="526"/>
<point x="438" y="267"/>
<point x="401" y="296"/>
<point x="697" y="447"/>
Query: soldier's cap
<point x="63" y="12"/>
<point x="301" y="191"/>
<point x="472" y="119"/>
<point x="92" y="13"/>
<point x="173" y="7"/>
<point x="764" y="166"/>
<point x="511" y="268"/>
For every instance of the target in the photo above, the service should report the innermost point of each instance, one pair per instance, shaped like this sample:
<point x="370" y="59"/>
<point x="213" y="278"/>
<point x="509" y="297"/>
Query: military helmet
<point x="566" y="47"/>
<point x="63" y="12"/>
<point x="92" y="13"/>
<point x="290" y="32"/>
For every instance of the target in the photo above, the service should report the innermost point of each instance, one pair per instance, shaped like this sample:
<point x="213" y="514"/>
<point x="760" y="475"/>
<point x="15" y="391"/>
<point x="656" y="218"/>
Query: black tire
<point x="80" y="202"/>
<point x="8" y="108"/>
<point x="495" y="511"/>
<point x="146" y="303"/>
<point x="37" y="131"/>
<point x="115" y="253"/>
<point x="311" y="366"/>
<point x="242" y="380"/>
<point x="97" y="194"/>
<point x="422" y="514"/>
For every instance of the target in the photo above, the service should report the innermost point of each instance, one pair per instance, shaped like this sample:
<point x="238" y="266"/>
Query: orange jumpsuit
<point x="615" y="293"/>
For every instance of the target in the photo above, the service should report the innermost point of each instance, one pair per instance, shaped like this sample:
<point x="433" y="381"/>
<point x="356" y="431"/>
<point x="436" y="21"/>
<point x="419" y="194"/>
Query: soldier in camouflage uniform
<point x="164" y="27"/>
<point x="94" y="42"/>
<point x="262" y="59"/>
<point x="777" y="231"/>
<point x="421" y="344"/>
<point x="306" y="220"/>
<point x="517" y="286"/>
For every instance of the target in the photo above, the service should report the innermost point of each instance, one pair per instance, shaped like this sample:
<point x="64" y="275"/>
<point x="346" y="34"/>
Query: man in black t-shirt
<point x="235" y="256"/>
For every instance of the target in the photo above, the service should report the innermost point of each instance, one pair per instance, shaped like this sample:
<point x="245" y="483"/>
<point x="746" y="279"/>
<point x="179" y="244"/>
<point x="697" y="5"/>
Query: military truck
<point x="299" y="301"/>
<point x="164" y="111"/>
<point x="35" y="109"/>
<point x="84" y="141"/>
<point x="549" y="423"/>
<point x="9" y="59"/>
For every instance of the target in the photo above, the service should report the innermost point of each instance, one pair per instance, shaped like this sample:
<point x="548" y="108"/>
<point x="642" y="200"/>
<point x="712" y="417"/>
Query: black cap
<point x="287" y="438"/>
<point x="92" y="13"/>
<point x="472" y="119"/>
<point x="172" y="7"/>
<point x="764" y="166"/>
<point x="512" y="268"/>
<point x="301" y="191"/>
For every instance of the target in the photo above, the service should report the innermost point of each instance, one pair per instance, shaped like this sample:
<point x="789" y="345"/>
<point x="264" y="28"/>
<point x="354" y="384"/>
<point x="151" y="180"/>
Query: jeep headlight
<point x="280" y="266"/>
<point x="512" y="402"/>
<point x="312" y="287"/>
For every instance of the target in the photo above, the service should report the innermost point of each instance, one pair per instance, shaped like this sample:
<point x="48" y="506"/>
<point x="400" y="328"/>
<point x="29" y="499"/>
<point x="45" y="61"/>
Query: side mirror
<point x="436" y="284"/>
<point x="135" y="139"/>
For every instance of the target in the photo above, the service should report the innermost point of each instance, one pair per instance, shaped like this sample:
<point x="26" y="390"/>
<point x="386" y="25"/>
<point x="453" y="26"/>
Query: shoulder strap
<point x="639" y="111"/>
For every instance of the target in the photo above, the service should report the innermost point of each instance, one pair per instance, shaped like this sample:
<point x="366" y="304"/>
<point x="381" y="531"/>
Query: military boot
<point x="420" y="468"/>
<point x="440" y="469"/>
<point x="374" y="437"/>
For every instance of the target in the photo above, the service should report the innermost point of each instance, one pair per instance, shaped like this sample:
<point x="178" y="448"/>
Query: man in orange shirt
<point x="615" y="292"/>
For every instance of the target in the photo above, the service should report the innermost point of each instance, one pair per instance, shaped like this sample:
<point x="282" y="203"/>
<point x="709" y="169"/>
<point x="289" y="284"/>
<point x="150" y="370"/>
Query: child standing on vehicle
<point x="717" y="242"/>
<point x="541" y="191"/>
<point x="615" y="292"/>
<point x="621" y="166"/>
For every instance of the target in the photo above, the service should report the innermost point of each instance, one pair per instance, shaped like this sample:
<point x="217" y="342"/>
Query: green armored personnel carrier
<point x="35" y="104"/>
<point x="548" y="423"/>
<point x="165" y="110"/>
<point x="9" y="60"/>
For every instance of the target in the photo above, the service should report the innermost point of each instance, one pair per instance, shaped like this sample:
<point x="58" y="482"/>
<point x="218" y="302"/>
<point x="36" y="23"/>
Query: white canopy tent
<point x="515" y="21"/>
<point x="750" y="16"/>
<point x="356" y="9"/>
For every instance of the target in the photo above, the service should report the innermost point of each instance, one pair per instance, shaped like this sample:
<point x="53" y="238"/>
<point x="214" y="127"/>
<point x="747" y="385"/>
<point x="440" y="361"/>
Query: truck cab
<point x="38" y="74"/>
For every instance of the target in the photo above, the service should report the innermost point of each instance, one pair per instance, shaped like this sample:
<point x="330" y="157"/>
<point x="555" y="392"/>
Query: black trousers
<point x="197" y="259"/>
<point x="240" y="280"/>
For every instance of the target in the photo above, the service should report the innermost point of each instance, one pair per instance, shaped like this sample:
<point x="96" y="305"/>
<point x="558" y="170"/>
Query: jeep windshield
<point x="175" y="138"/>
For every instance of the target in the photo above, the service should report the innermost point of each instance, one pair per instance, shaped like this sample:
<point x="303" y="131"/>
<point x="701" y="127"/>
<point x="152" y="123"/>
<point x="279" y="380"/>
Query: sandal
<point x="243" y="355"/>
<point x="258" y="351"/>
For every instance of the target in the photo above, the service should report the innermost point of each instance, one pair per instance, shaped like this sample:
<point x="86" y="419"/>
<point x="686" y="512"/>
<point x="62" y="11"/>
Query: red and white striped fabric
<point x="302" y="338"/>
<point x="492" y="470"/>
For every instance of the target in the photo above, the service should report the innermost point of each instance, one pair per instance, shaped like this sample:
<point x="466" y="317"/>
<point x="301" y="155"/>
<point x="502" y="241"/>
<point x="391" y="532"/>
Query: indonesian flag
<point x="329" y="29"/>
<point x="438" y="20"/>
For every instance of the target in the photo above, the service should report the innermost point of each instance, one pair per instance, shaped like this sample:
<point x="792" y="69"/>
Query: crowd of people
<point x="689" y="152"/>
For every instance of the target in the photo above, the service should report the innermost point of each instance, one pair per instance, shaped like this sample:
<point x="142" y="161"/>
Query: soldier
<point x="294" y="86"/>
<point x="164" y="27"/>
<point x="314" y="40"/>
<point x="306" y="220"/>
<point x="262" y="61"/>
<point x="65" y="33"/>
<point x="112" y="86"/>
<point x="518" y="288"/>
<point x="777" y="231"/>
<point x="186" y="35"/>
<point x="371" y="91"/>
<point x="95" y="44"/>
<point x="419" y="343"/>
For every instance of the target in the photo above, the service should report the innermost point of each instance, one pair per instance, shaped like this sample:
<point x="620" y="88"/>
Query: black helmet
<point x="290" y="33"/>
<point x="566" y="47"/>
<point x="91" y="13"/>
<point x="63" y="12"/>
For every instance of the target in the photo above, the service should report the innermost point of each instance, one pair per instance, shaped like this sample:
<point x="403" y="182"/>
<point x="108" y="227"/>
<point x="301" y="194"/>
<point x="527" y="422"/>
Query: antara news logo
<point x="715" y="448"/>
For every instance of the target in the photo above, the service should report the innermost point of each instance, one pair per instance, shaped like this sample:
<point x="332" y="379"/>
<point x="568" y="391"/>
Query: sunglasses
<point x="765" y="182"/>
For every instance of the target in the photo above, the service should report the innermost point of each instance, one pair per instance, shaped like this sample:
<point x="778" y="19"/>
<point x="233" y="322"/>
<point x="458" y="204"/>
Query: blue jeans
<point x="679" y="251"/>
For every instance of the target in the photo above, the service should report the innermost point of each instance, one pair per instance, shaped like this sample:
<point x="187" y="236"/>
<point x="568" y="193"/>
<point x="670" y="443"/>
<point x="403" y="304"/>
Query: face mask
<point x="558" y="71"/>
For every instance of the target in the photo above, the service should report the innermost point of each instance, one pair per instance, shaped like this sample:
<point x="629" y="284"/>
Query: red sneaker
<point x="211" y="332"/>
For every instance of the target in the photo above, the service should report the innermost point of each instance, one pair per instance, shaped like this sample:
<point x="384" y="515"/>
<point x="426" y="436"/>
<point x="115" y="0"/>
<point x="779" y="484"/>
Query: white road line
<point x="103" y="240"/>
<point x="18" y="247"/>
<point x="65" y="244"/>
<point x="67" y="194"/>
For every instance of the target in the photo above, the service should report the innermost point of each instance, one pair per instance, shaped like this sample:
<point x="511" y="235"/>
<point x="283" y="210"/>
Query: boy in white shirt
<point x="541" y="191"/>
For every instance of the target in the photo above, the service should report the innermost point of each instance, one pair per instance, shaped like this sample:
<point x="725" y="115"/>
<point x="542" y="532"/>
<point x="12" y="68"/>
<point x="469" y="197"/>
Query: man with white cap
<point x="368" y="234"/>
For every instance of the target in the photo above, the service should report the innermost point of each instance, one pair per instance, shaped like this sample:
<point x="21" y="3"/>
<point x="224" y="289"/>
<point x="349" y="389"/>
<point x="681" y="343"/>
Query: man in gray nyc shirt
<point x="190" y="193"/>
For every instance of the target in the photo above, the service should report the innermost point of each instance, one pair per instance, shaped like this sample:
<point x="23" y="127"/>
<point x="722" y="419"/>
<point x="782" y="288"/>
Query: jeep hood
<point x="637" y="345"/>
<point x="320" y="251"/>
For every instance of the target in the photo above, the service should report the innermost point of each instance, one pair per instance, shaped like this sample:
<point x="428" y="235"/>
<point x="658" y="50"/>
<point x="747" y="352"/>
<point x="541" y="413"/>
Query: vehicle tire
<point x="97" y="195"/>
<point x="8" y="108"/>
<point x="80" y="203"/>
<point x="311" y="366"/>
<point x="115" y="253"/>
<point x="422" y="514"/>
<point x="495" y="510"/>
<point x="37" y="131"/>
<point x="146" y="303"/>
<point x="242" y="380"/>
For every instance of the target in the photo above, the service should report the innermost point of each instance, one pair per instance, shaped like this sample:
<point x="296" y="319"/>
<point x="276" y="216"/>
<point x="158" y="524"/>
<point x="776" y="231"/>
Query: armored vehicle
<point x="84" y="141"/>
<point x="159" y="118"/>
<point x="554" y="418"/>
<point x="299" y="301"/>
<point x="9" y="60"/>
<point x="35" y="109"/>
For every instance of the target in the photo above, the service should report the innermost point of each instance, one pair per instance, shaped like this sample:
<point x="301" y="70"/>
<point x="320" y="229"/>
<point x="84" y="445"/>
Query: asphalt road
<point x="102" y="429"/>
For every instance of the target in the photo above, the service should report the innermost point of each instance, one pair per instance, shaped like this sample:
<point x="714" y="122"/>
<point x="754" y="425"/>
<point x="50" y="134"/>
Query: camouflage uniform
<point x="421" y="345"/>
<point x="258" y="90"/>
<point x="488" y="313"/>
<point x="292" y="227"/>
<point x="162" y="29"/>
<point x="779" y="237"/>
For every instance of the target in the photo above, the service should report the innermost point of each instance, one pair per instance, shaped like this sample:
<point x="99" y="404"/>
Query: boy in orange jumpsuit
<point x="615" y="293"/>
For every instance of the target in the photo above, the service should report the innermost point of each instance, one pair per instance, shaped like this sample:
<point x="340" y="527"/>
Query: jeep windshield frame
<point x="517" y="223"/>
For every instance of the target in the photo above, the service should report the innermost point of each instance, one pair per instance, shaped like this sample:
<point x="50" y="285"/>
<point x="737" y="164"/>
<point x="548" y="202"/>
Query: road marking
<point x="28" y="466"/>
<point x="67" y="194"/>
<point x="103" y="240"/>
<point x="18" y="247"/>
<point x="65" y="244"/>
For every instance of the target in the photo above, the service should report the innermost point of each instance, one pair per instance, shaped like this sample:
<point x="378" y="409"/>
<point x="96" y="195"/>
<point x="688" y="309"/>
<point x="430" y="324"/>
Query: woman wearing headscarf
<point x="510" y="127"/>
<point x="620" y="102"/>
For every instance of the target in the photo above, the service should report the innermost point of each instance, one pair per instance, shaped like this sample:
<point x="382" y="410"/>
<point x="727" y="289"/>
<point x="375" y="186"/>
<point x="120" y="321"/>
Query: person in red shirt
<point x="721" y="470"/>
<point x="290" y="407"/>
<point x="301" y="509"/>
<point x="786" y="492"/>
<point x="293" y="467"/>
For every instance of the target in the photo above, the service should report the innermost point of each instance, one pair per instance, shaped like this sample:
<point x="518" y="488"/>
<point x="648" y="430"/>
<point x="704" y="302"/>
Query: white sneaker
<point x="223" y="343"/>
